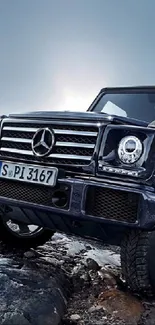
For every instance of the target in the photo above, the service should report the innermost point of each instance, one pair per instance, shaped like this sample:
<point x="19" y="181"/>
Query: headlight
<point x="130" y="149"/>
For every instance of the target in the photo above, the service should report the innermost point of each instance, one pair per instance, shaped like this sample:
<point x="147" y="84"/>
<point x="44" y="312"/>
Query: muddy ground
<point x="98" y="296"/>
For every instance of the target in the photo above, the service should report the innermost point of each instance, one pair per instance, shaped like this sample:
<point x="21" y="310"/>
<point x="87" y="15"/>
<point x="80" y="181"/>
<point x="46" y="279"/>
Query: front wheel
<point x="20" y="235"/>
<point x="138" y="261"/>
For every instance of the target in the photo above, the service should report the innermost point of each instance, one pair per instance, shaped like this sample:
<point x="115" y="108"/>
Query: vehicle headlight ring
<point x="130" y="149"/>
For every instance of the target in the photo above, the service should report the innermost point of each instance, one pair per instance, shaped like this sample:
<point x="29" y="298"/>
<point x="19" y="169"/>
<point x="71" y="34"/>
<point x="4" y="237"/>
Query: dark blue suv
<point x="90" y="174"/>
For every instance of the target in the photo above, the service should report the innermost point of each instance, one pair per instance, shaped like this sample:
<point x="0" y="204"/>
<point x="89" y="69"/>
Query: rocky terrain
<point x="75" y="281"/>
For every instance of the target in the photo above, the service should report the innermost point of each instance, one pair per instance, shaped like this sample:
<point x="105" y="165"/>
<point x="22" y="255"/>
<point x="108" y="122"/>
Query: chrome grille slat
<point x="16" y="140"/>
<point x="56" y="131"/>
<point x="74" y="141"/>
<point x="30" y="153"/>
<point x="13" y="128"/>
<point x="58" y="143"/>
<point x="75" y="144"/>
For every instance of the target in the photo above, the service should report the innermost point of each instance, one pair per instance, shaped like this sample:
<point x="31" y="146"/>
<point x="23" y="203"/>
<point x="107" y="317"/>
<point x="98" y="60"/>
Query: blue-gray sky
<point x="57" y="54"/>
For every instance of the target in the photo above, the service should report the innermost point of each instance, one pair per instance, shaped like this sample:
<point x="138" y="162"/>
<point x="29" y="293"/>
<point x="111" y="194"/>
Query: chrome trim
<point x="56" y="131"/>
<point x="53" y="155"/>
<point x="48" y="121"/>
<point x="22" y="140"/>
<point x="75" y="144"/>
<point x="22" y="152"/>
<point x="29" y="127"/>
<point x="30" y="153"/>
<point x="87" y="133"/>
<point x="13" y="128"/>
<point x="58" y="143"/>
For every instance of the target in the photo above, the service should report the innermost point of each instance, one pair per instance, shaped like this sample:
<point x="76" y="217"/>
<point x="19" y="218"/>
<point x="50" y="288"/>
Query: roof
<point x="128" y="88"/>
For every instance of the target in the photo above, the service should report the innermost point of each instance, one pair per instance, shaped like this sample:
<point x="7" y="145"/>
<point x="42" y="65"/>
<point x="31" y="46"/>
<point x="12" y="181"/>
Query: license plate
<point x="28" y="173"/>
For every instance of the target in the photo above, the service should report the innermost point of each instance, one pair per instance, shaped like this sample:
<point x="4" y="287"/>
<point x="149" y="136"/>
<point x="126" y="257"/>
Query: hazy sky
<point x="57" y="54"/>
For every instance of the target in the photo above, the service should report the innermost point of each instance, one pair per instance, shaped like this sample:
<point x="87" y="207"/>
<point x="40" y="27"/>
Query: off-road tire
<point x="11" y="240"/>
<point x="138" y="261"/>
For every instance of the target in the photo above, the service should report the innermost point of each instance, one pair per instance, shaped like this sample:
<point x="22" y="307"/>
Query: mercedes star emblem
<point x="43" y="142"/>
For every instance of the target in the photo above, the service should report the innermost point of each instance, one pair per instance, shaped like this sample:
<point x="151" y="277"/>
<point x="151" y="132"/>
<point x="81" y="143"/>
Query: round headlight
<point x="130" y="149"/>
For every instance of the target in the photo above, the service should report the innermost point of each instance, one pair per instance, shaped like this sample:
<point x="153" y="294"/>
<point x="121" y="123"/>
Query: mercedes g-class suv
<point x="90" y="174"/>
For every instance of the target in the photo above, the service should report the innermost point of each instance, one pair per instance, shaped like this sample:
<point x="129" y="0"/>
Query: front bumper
<point x="94" y="209"/>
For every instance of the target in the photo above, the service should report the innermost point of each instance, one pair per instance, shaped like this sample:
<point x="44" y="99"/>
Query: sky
<point x="58" y="54"/>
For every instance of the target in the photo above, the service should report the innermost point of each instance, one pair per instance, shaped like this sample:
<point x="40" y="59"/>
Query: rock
<point x="78" y="269"/>
<point x="50" y="260"/>
<point x="94" y="309"/>
<point x="92" y="264"/>
<point x="31" y="296"/>
<point x="121" y="305"/>
<point x="75" y="317"/>
<point x="14" y="318"/>
<point x="85" y="277"/>
<point x="108" y="278"/>
<point x="93" y="275"/>
<point x="88" y="247"/>
<point x="95" y="282"/>
<point x="30" y="254"/>
<point x="148" y="317"/>
<point x="102" y="321"/>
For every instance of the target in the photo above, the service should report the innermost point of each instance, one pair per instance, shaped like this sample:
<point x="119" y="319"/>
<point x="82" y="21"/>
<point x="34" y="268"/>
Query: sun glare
<point x="74" y="102"/>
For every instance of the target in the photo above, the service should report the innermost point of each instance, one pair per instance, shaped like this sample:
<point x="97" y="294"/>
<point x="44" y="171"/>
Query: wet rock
<point x="109" y="279"/>
<point x="30" y="254"/>
<point x="88" y="247"/>
<point x="95" y="282"/>
<point x="85" y="277"/>
<point x="51" y="260"/>
<point x="30" y="296"/>
<point x="78" y="269"/>
<point x="15" y="318"/>
<point x="92" y="264"/>
<point x="148" y="317"/>
<point x="95" y="308"/>
<point x="102" y="321"/>
<point x="94" y="277"/>
<point x="75" y="317"/>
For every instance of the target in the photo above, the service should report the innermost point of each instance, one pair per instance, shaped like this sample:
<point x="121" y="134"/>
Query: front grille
<point x="74" y="142"/>
<point x="112" y="204"/>
<point x="25" y="192"/>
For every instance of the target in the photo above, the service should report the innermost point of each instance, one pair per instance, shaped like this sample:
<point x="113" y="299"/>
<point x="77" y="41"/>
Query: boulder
<point x="31" y="294"/>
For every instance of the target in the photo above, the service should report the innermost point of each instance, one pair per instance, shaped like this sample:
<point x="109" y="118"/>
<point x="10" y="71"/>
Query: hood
<point x="70" y="115"/>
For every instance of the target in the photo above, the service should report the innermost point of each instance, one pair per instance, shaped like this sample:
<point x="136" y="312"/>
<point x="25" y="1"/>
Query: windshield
<point x="139" y="106"/>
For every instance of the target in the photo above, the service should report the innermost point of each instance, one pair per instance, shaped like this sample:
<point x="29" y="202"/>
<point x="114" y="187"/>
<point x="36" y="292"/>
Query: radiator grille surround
<point x="75" y="142"/>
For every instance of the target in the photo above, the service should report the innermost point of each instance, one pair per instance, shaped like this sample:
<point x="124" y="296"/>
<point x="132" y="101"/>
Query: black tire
<point x="12" y="240"/>
<point x="138" y="261"/>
